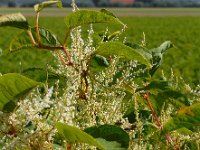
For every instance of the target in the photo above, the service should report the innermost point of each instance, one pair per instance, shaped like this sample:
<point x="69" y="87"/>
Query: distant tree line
<point x="108" y="3"/>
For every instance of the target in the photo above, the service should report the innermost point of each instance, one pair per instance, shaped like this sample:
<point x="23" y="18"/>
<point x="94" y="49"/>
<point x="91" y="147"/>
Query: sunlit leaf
<point x="157" y="55"/>
<point x="140" y="49"/>
<point x="98" y="63"/>
<point x="75" y="135"/>
<point x="16" y="20"/>
<point x="110" y="133"/>
<point x="23" y="41"/>
<point x="39" y="7"/>
<point x="110" y="145"/>
<point x="156" y="86"/>
<point x="108" y="49"/>
<point x="12" y="88"/>
<point x="82" y="17"/>
<point x="188" y="117"/>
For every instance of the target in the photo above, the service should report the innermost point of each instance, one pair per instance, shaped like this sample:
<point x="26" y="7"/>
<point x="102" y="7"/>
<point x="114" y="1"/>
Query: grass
<point x="117" y="11"/>
<point x="182" y="31"/>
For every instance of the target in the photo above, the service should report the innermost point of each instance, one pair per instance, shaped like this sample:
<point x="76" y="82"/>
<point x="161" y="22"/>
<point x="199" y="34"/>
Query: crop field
<point x="181" y="26"/>
<point x="117" y="11"/>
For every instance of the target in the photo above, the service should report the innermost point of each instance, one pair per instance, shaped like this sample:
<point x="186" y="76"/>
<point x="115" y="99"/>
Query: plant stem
<point x="48" y="47"/>
<point x="37" y="27"/>
<point x="67" y="54"/>
<point x="62" y="58"/>
<point x="31" y="37"/>
<point x="66" y="37"/>
<point x="155" y="117"/>
<point x="69" y="147"/>
<point x="152" y="110"/>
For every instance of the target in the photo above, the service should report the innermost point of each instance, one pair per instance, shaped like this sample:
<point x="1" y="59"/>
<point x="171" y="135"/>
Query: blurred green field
<point x="117" y="11"/>
<point x="183" y="31"/>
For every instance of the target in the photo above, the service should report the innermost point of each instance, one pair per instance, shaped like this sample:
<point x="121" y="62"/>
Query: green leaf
<point x="130" y="114"/>
<point x="156" y="86"/>
<point x="110" y="145"/>
<point x="16" y="20"/>
<point x="110" y="133"/>
<point x="107" y="12"/>
<point x="118" y="49"/>
<point x="184" y="131"/>
<point x="75" y="135"/>
<point x="12" y="88"/>
<point x="163" y="47"/>
<point x="140" y="49"/>
<point x="98" y="63"/>
<point x="41" y="6"/>
<point x="190" y="145"/>
<point x="188" y="117"/>
<point x="82" y="17"/>
<point x="46" y="75"/>
<point x="56" y="146"/>
<point x="157" y="55"/>
<point x="23" y="41"/>
<point x="109" y="36"/>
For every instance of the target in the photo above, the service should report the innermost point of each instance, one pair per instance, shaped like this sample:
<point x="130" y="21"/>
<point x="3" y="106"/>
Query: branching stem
<point x="155" y="117"/>
<point x="66" y="37"/>
<point x="61" y="58"/>
<point x="67" y="54"/>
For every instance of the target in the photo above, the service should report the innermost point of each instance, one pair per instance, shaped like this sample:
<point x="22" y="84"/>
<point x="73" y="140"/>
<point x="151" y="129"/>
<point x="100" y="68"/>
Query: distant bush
<point x="11" y="4"/>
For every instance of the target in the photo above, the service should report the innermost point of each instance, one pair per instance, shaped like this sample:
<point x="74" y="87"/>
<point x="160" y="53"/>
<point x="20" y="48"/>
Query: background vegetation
<point x="104" y="93"/>
<point x="183" y="31"/>
<point x="113" y="3"/>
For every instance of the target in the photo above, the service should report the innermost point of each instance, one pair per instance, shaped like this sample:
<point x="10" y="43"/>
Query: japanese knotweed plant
<point x="102" y="95"/>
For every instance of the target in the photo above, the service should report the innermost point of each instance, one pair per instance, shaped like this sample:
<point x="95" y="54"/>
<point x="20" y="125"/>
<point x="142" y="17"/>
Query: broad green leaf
<point x="110" y="133"/>
<point x="163" y="47"/>
<point x="42" y="74"/>
<point x="82" y="17"/>
<point x="75" y="135"/>
<point x="109" y="36"/>
<point x="157" y="55"/>
<point x="39" y="7"/>
<point x="190" y="145"/>
<point x="166" y="97"/>
<point x="16" y="20"/>
<point x="58" y="147"/>
<point x="107" y="12"/>
<point x="110" y="145"/>
<point x="156" y="86"/>
<point x="46" y="75"/>
<point x="14" y="87"/>
<point x="184" y="131"/>
<point x="98" y="63"/>
<point x="140" y="49"/>
<point x="130" y="114"/>
<point x="118" y="49"/>
<point x="23" y="41"/>
<point x="188" y="117"/>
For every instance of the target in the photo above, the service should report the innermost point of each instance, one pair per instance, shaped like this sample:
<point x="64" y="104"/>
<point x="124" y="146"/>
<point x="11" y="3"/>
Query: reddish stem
<point x="37" y="27"/>
<point x="155" y="117"/>
<point x="67" y="54"/>
<point x="62" y="58"/>
<point x="66" y="37"/>
<point x="31" y="37"/>
<point x="69" y="147"/>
